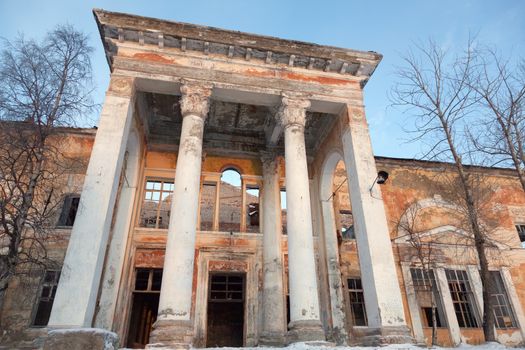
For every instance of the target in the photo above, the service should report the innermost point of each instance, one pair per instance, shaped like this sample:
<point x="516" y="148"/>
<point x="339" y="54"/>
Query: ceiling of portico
<point x="231" y="128"/>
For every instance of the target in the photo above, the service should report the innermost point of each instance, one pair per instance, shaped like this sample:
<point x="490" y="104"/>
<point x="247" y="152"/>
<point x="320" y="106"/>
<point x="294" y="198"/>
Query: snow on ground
<point x="303" y="346"/>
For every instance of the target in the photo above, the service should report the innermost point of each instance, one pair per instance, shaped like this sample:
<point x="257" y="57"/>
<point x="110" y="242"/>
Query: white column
<point x="304" y="301"/>
<point x="384" y="306"/>
<point x="77" y="291"/>
<point x="274" y="321"/>
<point x="177" y="278"/>
<point x="448" y="306"/>
<point x="119" y="236"/>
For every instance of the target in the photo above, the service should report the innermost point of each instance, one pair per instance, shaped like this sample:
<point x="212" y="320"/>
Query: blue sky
<point x="387" y="27"/>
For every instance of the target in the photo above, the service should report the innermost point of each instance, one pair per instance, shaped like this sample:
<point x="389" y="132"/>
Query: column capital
<point x="195" y="99"/>
<point x="292" y="111"/>
<point x="121" y="86"/>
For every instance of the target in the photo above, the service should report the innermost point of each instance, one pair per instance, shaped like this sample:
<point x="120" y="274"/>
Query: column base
<point x="277" y="339"/>
<point x="171" y="334"/>
<point x="384" y="336"/>
<point x="81" y="338"/>
<point x="310" y="331"/>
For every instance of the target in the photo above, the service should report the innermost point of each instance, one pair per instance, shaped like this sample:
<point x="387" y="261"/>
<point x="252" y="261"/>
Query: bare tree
<point x="501" y="88"/>
<point x="424" y="252"/>
<point x="44" y="86"/>
<point x="437" y="89"/>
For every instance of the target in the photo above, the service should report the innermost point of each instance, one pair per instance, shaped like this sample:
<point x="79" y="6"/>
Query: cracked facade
<point x="230" y="187"/>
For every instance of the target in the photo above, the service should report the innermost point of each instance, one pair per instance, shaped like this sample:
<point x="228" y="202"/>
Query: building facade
<point x="232" y="198"/>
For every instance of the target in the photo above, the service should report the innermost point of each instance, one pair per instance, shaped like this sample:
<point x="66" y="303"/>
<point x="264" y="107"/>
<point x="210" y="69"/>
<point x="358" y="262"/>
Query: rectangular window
<point x="428" y="297"/>
<point x="521" y="234"/>
<point x="226" y="288"/>
<point x="156" y="205"/>
<point x="147" y="280"/>
<point x="208" y="198"/>
<point x="69" y="210"/>
<point x="47" y="296"/>
<point x="504" y="317"/>
<point x="356" y="299"/>
<point x="462" y="298"/>
<point x="252" y="209"/>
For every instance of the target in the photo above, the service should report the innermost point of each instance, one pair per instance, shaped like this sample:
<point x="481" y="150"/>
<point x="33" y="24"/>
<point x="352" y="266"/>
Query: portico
<point x="204" y="97"/>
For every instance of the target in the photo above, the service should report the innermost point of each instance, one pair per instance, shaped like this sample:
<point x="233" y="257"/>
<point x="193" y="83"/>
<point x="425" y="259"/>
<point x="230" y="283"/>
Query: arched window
<point x="230" y="201"/>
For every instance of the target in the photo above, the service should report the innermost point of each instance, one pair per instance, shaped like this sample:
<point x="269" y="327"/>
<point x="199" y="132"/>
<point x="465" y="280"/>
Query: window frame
<point x="142" y="199"/>
<point x="42" y="284"/>
<point x="503" y="292"/>
<point x="428" y="277"/>
<point x="68" y="203"/>
<point x="467" y="306"/>
<point x="350" y="303"/>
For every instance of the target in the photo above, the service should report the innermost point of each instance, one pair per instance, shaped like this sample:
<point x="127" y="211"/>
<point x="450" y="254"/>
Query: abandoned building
<point x="232" y="198"/>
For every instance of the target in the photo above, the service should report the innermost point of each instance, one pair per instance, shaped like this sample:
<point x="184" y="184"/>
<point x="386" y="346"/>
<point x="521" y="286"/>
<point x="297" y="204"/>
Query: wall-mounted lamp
<point x="380" y="179"/>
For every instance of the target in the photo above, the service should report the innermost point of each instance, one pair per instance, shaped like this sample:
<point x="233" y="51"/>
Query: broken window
<point x="69" y="210"/>
<point x="208" y="198"/>
<point x="347" y="224"/>
<point x="46" y="298"/>
<point x="356" y="298"/>
<point x="428" y="298"/>
<point x="252" y="209"/>
<point x="521" y="234"/>
<point x="146" y="293"/>
<point x="462" y="298"/>
<point x="156" y="206"/>
<point x="283" y="211"/>
<point x="503" y="315"/>
<point x="230" y="201"/>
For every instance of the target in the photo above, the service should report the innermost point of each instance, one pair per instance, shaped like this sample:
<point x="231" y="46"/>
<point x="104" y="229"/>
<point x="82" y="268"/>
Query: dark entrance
<point x="146" y="293"/>
<point x="225" y="310"/>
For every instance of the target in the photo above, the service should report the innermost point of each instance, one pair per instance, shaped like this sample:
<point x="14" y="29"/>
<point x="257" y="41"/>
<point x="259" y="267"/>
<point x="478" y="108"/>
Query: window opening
<point x="427" y="295"/>
<point x="521" y="234"/>
<point x="146" y="293"/>
<point x="46" y="298"/>
<point x="462" y="298"/>
<point x="156" y="204"/>
<point x="357" y="302"/>
<point x="230" y="201"/>
<point x="69" y="210"/>
<point x="503" y="314"/>
<point x="283" y="211"/>
<point x="208" y="197"/>
<point x="347" y="224"/>
<point x="252" y="209"/>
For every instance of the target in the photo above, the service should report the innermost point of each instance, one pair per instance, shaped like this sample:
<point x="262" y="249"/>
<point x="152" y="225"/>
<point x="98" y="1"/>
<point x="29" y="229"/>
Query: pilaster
<point x="75" y="300"/>
<point x="384" y="306"/>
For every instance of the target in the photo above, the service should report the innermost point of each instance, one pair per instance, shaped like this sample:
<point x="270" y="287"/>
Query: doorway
<point x="225" y="310"/>
<point x="145" y="303"/>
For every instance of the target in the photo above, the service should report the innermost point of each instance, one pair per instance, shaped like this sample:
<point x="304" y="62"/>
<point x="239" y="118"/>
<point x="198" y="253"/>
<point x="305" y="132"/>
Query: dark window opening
<point x="69" y="210"/>
<point x="503" y="315"/>
<point x="521" y="234"/>
<point x="47" y="296"/>
<point x="357" y="302"/>
<point x="145" y="304"/>
<point x="462" y="298"/>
